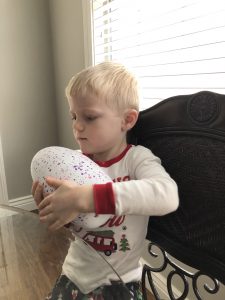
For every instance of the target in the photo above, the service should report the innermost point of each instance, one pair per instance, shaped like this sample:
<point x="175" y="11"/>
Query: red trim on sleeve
<point x="104" y="201"/>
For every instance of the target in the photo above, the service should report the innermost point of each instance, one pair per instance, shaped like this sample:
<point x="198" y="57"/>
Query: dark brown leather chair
<point x="188" y="133"/>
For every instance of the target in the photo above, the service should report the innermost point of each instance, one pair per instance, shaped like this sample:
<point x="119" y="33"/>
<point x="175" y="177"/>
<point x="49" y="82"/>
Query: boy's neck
<point x="108" y="155"/>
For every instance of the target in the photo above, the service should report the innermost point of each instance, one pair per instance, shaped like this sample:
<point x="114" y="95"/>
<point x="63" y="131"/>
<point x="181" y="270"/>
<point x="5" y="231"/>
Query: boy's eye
<point x="90" y="118"/>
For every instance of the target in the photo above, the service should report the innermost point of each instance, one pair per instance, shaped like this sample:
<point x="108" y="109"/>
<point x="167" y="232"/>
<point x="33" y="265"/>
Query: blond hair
<point x="110" y="81"/>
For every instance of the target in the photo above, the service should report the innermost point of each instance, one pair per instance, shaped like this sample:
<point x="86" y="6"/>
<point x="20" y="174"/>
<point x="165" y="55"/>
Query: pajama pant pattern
<point x="65" y="289"/>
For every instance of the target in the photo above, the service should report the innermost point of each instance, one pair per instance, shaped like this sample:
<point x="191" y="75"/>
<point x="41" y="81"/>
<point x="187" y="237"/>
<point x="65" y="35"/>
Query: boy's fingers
<point x="38" y="194"/>
<point x="44" y="203"/>
<point x="54" y="182"/>
<point x="45" y="211"/>
<point x="46" y="217"/>
<point x="34" y="186"/>
<point x="55" y="226"/>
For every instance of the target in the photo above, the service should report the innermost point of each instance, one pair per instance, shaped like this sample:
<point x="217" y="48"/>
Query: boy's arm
<point x="153" y="192"/>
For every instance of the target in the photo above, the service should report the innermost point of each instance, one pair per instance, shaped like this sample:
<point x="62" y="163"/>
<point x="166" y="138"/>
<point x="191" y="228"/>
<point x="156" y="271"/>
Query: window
<point x="175" y="47"/>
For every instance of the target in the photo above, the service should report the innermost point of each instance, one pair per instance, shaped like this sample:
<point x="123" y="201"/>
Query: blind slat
<point x="179" y="54"/>
<point x="185" y="81"/>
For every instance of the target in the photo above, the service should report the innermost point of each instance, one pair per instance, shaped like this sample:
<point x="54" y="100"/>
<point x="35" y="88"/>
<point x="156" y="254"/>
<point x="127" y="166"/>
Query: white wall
<point x="41" y="48"/>
<point x="68" y="54"/>
<point x="28" y="112"/>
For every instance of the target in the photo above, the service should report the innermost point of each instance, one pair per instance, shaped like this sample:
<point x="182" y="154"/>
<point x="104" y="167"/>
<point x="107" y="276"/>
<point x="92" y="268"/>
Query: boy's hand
<point x="65" y="203"/>
<point x="37" y="192"/>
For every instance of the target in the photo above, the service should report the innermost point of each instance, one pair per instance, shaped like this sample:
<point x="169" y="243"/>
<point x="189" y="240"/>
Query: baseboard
<point x="26" y="203"/>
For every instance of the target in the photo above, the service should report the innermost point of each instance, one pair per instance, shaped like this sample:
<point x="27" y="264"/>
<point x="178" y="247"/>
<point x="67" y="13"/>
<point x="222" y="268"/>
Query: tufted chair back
<point x="188" y="133"/>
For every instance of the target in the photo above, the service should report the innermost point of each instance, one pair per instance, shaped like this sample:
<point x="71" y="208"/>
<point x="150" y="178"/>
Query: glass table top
<point x="31" y="256"/>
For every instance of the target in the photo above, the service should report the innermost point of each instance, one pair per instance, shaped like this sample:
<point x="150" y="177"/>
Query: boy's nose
<point x="78" y="125"/>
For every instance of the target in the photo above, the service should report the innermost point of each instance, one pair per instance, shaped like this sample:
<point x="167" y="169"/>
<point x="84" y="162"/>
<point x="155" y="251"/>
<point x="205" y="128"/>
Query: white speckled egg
<point x="67" y="164"/>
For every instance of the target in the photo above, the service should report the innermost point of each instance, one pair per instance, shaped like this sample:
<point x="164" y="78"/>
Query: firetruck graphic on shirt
<point x="104" y="240"/>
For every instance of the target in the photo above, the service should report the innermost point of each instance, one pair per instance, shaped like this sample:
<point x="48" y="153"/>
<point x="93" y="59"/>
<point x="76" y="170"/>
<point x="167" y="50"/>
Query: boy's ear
<point x="130" y="118"/>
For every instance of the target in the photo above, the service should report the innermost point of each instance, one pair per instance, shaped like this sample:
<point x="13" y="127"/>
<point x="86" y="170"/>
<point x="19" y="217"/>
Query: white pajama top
<point x="141" y="188"/>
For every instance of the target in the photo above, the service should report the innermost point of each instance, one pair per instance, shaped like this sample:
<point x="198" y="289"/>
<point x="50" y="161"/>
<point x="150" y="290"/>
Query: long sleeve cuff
<point x="104" y="201"/>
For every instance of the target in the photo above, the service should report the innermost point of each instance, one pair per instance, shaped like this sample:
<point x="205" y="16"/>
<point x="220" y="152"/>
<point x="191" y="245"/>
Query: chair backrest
<point x="188" y="133"/>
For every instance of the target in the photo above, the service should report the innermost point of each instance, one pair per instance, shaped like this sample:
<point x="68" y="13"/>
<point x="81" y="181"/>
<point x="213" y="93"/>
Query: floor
<point x="30" y="257"/>
<point x="150" y="296"/>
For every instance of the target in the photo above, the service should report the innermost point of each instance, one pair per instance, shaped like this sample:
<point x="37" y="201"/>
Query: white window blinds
<point x="175" y="47"/>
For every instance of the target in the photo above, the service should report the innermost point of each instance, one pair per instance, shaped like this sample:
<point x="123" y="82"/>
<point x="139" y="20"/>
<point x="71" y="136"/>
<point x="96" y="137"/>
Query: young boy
<point x="104" y="105"/>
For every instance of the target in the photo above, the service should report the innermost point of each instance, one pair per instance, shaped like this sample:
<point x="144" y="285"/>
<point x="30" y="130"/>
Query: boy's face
<point x="97" y="128"/>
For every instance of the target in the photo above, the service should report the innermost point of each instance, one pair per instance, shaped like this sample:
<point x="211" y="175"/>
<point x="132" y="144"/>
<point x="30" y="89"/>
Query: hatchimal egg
<point x="67" y="164"/>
